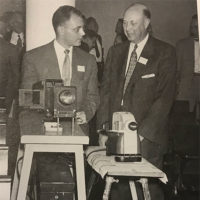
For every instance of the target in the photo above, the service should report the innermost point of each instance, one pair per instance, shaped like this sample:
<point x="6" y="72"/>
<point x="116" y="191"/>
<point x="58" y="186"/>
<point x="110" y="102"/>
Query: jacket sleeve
<point x="104" y="109"/>
<point x="13" y="77"/>
<point x="29" y="74"/>
<point x="92" y="97"/>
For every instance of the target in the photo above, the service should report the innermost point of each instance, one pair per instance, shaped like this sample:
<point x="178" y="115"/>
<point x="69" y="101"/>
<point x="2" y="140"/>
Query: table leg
<point x="80" y="173"/>
<point x="90" y="183"/>
<point x="15" y="184"/>
<point x="133" y="190"/>
<point x="25" y="172"/>
<point x="145" y="187"/>
<point x="109" y="181"/>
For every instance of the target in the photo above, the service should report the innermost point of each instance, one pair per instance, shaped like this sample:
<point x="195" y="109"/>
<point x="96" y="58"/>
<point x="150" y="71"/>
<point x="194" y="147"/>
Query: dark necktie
<point x="131" y="67"/>
<point x="19" y="42"/>
<point x="66" y="69"/>
<point x="97" y="50"/>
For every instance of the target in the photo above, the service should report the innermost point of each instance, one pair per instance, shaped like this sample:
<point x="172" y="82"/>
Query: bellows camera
<point x="51" y="96"/>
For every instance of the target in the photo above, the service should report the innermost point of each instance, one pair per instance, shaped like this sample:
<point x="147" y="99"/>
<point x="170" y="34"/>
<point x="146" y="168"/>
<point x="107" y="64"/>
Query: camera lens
<point x="66" y="97"/>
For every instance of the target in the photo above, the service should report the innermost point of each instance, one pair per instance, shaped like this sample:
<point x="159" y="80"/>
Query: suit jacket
<point x="185" y="66"/>
<point x="9" y="72"/>
<point x="150" y="92"/>
<point x="41" y="63"/>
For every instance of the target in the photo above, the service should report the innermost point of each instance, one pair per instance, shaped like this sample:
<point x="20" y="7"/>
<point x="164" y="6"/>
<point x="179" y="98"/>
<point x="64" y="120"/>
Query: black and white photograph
<point x="99" y="100"/>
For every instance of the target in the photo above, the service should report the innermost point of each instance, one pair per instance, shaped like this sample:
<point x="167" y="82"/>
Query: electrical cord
<point x="18" y="173"/>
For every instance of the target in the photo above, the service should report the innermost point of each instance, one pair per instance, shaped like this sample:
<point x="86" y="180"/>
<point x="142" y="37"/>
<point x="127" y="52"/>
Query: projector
<point x="123" y="140"/>
<point x="50" y="96"/>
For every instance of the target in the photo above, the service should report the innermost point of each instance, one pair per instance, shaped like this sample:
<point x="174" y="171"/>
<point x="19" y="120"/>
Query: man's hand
<point x="81" y="117"/>
<point x="102" y="140"/>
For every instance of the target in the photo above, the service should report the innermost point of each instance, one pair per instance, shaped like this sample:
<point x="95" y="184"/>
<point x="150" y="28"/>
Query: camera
<point x="50" y="96"/>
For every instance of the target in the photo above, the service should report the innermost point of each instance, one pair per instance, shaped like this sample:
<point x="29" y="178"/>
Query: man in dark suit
<point x="9" y="67"/>
<point x="49" y="62"/>
<point x="16" y="25"/>
<point x="188" y="64"/>
<point x="147" y="92"/>
<point x="9" y="79"/>
<point x="16" y="33"/>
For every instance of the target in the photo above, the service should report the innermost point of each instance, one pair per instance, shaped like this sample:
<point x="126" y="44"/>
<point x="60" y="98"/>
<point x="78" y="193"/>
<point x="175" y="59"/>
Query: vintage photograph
<point x="99" y="100"/>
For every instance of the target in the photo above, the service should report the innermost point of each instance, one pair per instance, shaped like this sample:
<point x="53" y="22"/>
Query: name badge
<point x="81" y="68"/>
<point x="143" y="60"/>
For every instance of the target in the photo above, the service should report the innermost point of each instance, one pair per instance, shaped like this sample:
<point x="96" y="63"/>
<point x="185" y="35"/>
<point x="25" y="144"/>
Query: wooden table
<point x="109" y="169"/>
<point x="34" y="140"/>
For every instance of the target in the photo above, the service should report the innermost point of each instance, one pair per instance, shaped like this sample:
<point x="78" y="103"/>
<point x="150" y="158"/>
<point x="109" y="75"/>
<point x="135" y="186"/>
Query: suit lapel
<point x="123" y="56"/>
<point x="74" y="66"/>
<point x="53" y="68"/>
<point x="147" y="53"/>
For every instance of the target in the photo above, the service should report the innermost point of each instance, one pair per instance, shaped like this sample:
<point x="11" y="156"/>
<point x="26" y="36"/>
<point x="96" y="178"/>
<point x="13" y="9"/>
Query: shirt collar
<point x="59" y="48"/>
<point x="140" y="44"/>
<point x="15" y="34"/>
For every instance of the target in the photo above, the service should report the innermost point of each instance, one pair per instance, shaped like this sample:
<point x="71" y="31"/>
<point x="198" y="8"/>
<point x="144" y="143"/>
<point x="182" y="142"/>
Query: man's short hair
<point x="62" y="14"/>
<point x="146" y="11"/>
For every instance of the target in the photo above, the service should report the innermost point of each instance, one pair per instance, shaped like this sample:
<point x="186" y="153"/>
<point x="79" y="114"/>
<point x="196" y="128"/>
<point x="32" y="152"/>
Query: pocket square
<point x="80" y="68"/>
<point x="148" y="76"/>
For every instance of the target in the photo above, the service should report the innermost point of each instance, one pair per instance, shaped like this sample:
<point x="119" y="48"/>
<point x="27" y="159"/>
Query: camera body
<point x="50" y="96"/>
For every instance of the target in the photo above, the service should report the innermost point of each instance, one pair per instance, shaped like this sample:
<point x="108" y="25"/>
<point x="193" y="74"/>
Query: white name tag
<point x="148" y="76"/>
<point x="81" y="68"/>
<point x="143" y="60"/>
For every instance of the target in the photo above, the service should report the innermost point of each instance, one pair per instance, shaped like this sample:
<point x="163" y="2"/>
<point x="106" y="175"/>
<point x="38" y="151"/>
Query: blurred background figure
<point x="9" y="82"/>
<point x="97" y="51"/>
<point x="89" y="41"/>
<point x="120" y="36"/>
<point x="16" y="31"/>
<point x="16" y="34"/>
<point x="188" y="60"/>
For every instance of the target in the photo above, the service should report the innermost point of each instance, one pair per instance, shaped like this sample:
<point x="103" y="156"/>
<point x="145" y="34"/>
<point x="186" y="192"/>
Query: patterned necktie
<point x="19" y="42"/>
<point x="131" y="67"/>
<point x="66" y="69"/>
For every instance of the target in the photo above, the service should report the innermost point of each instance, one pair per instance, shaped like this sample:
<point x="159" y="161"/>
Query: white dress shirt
<point x="15" y="36"/>
<point x="60" y="53"/>
<point x="196" y="57"/>
<point x="138" y="50"/>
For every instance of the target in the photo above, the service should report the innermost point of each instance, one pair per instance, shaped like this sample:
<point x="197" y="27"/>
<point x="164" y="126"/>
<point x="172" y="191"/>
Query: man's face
<point x="93" y="26"/>
<point x="135" y="24"/>
<point x="194" y="28"/>
<point x="71" y="32"/>
<point x="17" y="23"/>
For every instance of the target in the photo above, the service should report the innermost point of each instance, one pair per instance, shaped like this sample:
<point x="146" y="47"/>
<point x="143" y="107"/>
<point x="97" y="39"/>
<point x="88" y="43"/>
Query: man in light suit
<point x="149" y="93"/>
<point x="188" y="65"/>
<point x="46" y="62"/>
